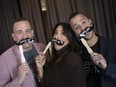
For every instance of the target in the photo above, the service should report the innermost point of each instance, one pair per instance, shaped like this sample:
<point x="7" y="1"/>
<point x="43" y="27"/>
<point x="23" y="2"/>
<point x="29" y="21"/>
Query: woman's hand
<point x="40" y="60"/>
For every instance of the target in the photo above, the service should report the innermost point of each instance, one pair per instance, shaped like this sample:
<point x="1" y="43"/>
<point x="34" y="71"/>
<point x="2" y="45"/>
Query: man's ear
<point x="13" y="36"/>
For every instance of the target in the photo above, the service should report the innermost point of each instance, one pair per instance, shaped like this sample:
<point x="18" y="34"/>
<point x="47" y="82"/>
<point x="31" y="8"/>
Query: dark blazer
<point x="108" y="50"/>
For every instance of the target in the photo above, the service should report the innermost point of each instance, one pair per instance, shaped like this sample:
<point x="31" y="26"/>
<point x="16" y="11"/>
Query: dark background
<point x="102" y="13"/>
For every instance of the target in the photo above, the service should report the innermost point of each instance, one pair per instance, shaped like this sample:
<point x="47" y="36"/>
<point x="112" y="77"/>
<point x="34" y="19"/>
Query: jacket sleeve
<point x="5" y="76"/>
<point x="108" y="49"/>
<point x="111" y="71"/>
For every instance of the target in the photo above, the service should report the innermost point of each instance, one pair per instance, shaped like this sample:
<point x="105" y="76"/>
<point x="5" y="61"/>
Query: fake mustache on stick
<point x="54" y="40"/>
<point x="82" y="35"/>
<point x="29" y="40"/>
<point x="85" y="31"/>
<point x="20" y="43"/>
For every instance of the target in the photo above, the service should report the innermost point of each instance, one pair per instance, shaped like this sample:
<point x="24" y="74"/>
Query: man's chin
<point x="87" y="37"/>
<point x="26" y="45"/>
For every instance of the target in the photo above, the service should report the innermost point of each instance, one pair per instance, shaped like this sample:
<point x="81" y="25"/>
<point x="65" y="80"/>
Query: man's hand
<point x="99" y="60"/>
<point x="22" y="71"/>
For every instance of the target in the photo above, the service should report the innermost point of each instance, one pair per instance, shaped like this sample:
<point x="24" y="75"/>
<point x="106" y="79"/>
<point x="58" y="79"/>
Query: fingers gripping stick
<point x="82" y="35"/>
<point x="20" y="43"/>
<point x="88" y="48"/>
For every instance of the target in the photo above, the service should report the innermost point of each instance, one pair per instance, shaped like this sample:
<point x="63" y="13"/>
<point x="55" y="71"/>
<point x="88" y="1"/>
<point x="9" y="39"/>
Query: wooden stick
<point x="47" y="47"/>
<point x="22" y="55"/>
<point x="86" y="45"/>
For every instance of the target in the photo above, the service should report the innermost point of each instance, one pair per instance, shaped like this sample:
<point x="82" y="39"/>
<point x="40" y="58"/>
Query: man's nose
<point x="24" y="35"/>
<point x="82" y="27"/>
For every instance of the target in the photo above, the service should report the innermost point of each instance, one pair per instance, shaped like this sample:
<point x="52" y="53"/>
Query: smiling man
<point x="100" y="66"/>
<point x="14" y="73"/>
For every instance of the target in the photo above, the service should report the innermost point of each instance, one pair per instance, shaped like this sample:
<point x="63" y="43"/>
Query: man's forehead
<point x="21" y="24"/>
<point x="79" y="18"/>
<point x="81" y="15"/>
<point x="80" y="21"/>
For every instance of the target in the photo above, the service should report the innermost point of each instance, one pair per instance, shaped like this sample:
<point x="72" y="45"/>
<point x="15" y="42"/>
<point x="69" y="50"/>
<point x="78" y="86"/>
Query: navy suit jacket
<point x="108" y="50"/>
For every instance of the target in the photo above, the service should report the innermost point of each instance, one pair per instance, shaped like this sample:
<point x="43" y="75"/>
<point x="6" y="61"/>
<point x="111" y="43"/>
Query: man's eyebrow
<point x="79" y="22"/>
<point x="18" y="30"/>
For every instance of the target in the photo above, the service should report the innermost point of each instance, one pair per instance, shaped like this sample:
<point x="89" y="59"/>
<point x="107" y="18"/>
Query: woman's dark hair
<point x="70" y="35"/>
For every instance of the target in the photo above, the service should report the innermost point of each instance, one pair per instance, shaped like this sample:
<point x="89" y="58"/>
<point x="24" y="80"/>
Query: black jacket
<point x="67" y="70"/>
<point x="108" y="50"/>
